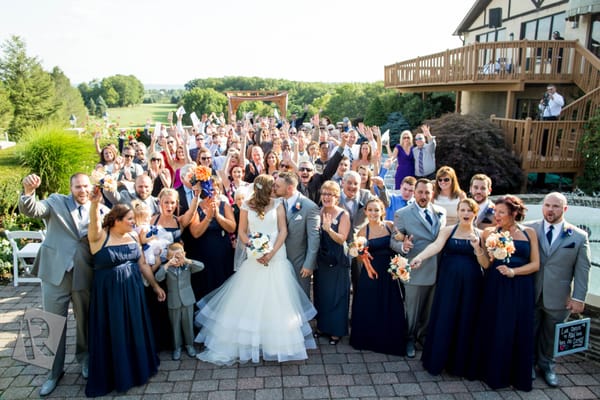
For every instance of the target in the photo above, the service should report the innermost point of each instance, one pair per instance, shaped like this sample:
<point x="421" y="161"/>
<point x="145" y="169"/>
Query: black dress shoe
<point x="533" y="374"/>
<point x="410" y="349"/>
<point x="49" y="386"/>
<point x="551" y="378"/>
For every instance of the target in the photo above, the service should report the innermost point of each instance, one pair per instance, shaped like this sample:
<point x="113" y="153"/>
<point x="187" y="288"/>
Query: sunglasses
<point x="155" y="159"/>
<point x="305" y="169"/>
<point x="327" y="195"/>
<point x="170" y="142"/>
<point x="199" y="138"/>
<point x="128" y="155"/>
<point x="444" y="179"/>
<point x="419" y="139"/>
<point x="205" y="158"/>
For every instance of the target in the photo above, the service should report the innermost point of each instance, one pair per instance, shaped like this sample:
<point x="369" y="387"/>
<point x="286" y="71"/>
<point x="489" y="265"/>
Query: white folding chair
<point x="25" y="246"/>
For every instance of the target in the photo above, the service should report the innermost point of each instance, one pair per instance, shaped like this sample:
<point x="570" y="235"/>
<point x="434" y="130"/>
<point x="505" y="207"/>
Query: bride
<point x="261" y="310"/>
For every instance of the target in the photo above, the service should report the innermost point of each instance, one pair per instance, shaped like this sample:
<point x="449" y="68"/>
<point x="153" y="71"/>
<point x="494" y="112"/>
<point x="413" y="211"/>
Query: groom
<point x="303" y="220"/>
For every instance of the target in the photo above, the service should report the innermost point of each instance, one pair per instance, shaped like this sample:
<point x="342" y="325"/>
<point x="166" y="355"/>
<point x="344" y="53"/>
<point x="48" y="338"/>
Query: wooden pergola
<point x="236" y="98"/>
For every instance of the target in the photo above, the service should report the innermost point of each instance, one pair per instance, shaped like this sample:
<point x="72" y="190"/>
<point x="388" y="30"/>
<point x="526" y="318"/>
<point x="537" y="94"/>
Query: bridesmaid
<point x="332" y="277"/>
<point x="378" y="321"/>
<point x="504" y="339"/>
<point x="452" y="321"/>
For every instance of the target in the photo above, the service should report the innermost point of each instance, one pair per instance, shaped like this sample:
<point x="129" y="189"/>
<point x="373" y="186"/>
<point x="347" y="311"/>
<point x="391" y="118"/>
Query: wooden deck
<point x="510" y="67"/>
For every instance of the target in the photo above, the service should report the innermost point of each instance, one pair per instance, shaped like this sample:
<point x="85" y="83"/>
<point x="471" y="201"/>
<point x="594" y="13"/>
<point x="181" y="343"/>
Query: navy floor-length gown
<point x="378" y="320"/>
<point x="121" y="343"/>
<point x="504" y="339"/>
<point x="453" y="317"/>
<point x="215" y="250"/>
<point x="332" y="285"/>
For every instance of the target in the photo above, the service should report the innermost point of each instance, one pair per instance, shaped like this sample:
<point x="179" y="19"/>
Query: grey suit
<point x="180" y="300"/>
<point x="126" y="197"/>
<point x="64" y="264"/>
<point x="567" y="261"/>
<point x="302" y="241"/>
<point x="420" y="288"/>
<point x="357" y="219"/>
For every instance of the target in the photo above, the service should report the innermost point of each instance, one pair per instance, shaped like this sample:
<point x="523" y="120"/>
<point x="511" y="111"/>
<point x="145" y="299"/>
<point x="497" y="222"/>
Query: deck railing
<point x="558" y="153"/>
<point x="497" y="62"/>
<point x="583" y="108"/>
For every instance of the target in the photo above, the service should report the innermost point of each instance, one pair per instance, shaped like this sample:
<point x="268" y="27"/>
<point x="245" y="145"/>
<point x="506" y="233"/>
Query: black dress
<point x="332" y="285"/>
<point x="452" y="321"/>
<point x="503" y="349"/>
<point x="121" y="343"/>
<point x="215" y="250"/>
<point x="378" y="319"/>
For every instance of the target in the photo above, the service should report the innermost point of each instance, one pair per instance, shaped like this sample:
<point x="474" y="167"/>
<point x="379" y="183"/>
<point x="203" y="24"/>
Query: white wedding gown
<point x="259" y="311"/>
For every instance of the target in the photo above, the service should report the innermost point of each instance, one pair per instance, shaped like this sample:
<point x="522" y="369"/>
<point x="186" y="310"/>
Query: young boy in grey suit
<point x="178" y="271"/>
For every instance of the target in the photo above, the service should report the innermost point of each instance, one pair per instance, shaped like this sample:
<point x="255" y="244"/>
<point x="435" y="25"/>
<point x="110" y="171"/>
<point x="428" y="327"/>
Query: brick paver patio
<point x="331" y="372"/>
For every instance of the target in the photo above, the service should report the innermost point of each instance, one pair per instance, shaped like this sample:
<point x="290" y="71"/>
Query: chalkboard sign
<point x="571" y="337"/>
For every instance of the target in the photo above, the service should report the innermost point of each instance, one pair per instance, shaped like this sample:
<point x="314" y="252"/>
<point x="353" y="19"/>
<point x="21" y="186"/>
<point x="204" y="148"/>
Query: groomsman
<point x="480" y="188"/>
<point x="303" y="220"/>
<point x="420" y="222"/>
<point x="565" y="262"/>
<point x="64" y="263"/>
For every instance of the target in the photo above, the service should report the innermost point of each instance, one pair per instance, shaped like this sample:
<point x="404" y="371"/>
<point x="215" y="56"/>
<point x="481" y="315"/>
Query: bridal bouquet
<point x="399" y="268"/>
<point x="500" y="245"/>
<point x="201" y="175"/>
<point x="103" y="179"/>
<point x="360" y="248"/>
<point x="259" y="244"/>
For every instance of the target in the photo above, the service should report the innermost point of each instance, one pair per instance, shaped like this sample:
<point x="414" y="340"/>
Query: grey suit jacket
<point x="63" y="246"/>
<point x="567" y="260"/>
<point x="126" y="197"/>
<point x="179" y="284"/>
<point x="358" y="219"/>
<point x="303" y="238"/>
<point x="408" y="220"/>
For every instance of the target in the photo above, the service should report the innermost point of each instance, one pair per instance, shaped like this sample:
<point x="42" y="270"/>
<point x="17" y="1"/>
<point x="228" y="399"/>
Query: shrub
<point x="589" y="146"/>
<point x="472" y="144"/>
<point x="55" y="154"/>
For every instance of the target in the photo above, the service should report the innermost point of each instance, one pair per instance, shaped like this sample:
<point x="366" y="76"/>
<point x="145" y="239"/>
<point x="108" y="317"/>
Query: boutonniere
<point x="439" y="214"/>
<point x="297" y="207"/>
<point x="490" y="210"/>
<point x="567" y="231"/>
<point x="360" y="205"/>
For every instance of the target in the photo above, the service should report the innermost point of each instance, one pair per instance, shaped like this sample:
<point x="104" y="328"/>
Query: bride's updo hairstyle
<point x="261" y="197"/>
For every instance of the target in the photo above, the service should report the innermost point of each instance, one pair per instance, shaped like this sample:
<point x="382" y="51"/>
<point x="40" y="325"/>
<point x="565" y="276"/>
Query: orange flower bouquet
<point x="360" y="248"/>
<point x="399" y="268"/>
<point x="500" y="245"/>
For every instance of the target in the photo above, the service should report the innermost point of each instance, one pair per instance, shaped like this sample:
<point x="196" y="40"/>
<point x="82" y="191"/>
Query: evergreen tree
<point x="375" y="114"/>
<point x="30" y="89"/>
<point x="68" y="99"/>
<point x="6" y="109"/>
<point x="91" y="106"/>
<point x="101" y="106"/>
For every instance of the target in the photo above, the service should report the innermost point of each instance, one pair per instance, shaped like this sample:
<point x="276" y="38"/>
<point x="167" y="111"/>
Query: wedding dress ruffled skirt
<point x="258" y="312"/>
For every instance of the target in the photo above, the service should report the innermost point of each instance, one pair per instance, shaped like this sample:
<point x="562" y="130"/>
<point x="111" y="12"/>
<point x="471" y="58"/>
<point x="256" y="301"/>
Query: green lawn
<point x="137" y="116"/>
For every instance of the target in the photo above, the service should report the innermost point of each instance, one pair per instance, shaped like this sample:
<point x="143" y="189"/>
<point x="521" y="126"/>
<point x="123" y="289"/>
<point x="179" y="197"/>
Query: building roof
<point x="475" y="11"/>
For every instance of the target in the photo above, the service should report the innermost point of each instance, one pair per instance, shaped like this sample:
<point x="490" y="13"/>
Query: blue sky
<point x="172" y="42"/>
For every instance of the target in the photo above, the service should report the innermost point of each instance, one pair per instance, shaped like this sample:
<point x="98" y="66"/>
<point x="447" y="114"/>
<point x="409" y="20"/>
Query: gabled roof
<point x="475" y="11"/>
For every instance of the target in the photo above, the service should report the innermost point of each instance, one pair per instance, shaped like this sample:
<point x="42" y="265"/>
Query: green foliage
<point x="116" y="91"/>
<point x="375" y="114"/>
<point x="396" y="123"/>
<point x="6" y="108"/>
<point x="6" y="259"/>
<point x="30" y="89"/>
<point x="10" y="188"/>
<point x="101" y="107"/>
<point x="471" y="145"/>
<point x="201" y="101"/>
<point x="91" y="106"/>
<point x="68" y="99"/>
<point x="589" y="146"/>
<point x="54" y="155"/>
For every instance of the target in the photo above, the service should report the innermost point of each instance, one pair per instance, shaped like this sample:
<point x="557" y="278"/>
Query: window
<point x="594" y="43"/>
<point x="493" y="36"/>
<point x="542" y="28"/>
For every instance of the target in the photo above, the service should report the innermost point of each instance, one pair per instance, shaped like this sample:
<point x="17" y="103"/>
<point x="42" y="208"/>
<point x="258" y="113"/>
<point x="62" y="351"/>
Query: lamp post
<point x="73" y="120"/>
